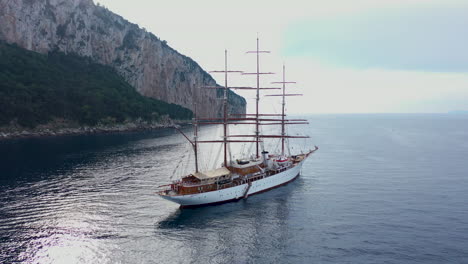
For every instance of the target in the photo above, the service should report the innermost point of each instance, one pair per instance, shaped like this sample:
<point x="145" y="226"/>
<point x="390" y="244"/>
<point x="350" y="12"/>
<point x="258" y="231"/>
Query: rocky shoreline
<point x="51" y="130"/>
<point x="86" y="29"/>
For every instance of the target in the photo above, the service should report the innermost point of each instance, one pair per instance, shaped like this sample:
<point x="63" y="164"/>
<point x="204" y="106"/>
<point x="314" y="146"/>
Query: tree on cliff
<point x="36" y="89"/>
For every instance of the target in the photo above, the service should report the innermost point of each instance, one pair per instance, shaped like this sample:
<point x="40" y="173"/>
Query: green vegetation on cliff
<point x="36" y="89"/>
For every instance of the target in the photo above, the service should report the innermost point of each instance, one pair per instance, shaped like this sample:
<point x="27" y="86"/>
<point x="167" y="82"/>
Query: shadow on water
<point x="201" y="217"/>
<point x="245" y="231"/>
<point x="206" y="217"/>
<point x="32" y="159"/>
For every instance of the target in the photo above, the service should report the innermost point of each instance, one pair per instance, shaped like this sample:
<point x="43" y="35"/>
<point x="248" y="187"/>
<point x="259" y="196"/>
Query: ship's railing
<point x="164" y="188"/>
<point x="191" y="184"/>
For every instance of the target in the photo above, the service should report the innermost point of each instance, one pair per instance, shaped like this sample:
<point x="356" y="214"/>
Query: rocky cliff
<point x="146" y="62"/>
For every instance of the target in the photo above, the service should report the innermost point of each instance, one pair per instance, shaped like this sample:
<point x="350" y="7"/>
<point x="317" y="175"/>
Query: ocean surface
<point x="383" y="188"/>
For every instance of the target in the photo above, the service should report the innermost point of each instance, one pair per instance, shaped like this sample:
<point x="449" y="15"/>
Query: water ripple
<point x="378" y="191"/>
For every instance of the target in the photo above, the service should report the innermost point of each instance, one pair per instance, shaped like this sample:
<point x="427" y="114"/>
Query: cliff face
<point x="147" y="63"/>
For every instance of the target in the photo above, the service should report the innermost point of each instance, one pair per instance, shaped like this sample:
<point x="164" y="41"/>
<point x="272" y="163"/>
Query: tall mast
<point x="282" y="112"/>
<point x="285" y="122"/>
<point x="225" y="108"/>
<point x="257" y="130"/>
<point x="195" y="133"/>
<point x="225" y="119"/>
<point x="257" y="101"/>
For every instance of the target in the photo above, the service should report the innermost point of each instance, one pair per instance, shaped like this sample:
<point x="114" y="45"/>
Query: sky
<point x="361" y="56"/>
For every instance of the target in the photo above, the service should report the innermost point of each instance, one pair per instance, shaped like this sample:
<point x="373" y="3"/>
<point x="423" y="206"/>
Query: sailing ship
<point x="239" y="178"/>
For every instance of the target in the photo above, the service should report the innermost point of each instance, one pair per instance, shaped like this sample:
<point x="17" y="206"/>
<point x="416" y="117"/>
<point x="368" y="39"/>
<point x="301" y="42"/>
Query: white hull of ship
<point x="237" y="192"/>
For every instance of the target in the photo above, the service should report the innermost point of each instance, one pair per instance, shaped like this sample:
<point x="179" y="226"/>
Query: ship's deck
<point x="193" y="184"/>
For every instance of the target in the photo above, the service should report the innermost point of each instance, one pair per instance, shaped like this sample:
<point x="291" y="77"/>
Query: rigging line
<point x="177" y="166"/>
<point x="216" y="158"/>
<point x="181" y="165"/>
<point x="277" y="146"/>
<point x="187" y="163"/>
<point x="208" y="156"/>
<point x="251" y="146"/>
<point x="203" y="163"/>
<point x="262" y="145"/>
<point x="229" y="153"/>
<point x="204" y="152"/>
<point x="212" y="149"/>
<point x="185" y="158"/>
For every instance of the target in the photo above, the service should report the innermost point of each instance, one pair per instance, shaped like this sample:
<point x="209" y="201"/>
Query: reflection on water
<point x="211" y="216"/>
<point x="66" y="198"/>
<point x="233" y="232"/>
<point x="378" y="190"/>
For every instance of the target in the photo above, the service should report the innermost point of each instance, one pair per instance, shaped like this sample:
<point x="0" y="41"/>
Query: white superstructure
<point x="259" y="183"/>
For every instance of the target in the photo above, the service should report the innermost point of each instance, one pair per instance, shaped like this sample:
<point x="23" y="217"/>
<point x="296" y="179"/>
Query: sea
<point x="382" y="188"/>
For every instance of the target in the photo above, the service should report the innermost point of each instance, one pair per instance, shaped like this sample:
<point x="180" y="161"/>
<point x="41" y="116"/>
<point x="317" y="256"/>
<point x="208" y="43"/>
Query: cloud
<point x="388" y="65"/>
<point x="415" y="37"/>
<point x="346" y="90"/>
